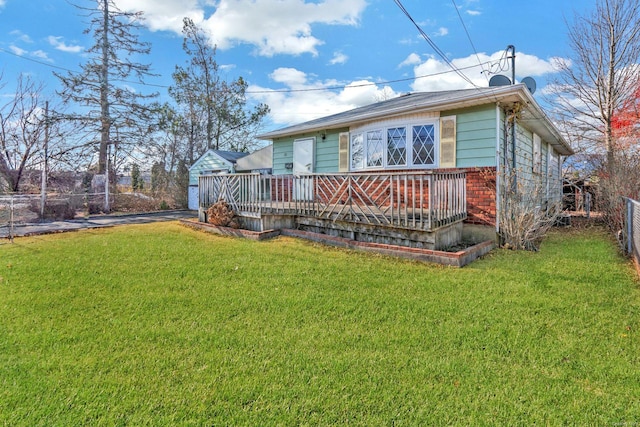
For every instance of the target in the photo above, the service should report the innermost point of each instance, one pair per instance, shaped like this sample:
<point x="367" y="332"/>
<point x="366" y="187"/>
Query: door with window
<point x="303" y="160"/>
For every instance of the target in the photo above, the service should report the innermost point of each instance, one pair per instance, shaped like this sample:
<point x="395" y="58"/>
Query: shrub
<point x="525" y="214"/>
<point x="55" y="209"/>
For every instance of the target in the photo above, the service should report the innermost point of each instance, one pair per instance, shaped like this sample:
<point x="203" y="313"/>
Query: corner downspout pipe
<point x="512" y="48"/>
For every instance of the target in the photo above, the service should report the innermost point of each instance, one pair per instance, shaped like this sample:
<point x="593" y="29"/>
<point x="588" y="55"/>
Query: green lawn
<point x="162" y="325"/>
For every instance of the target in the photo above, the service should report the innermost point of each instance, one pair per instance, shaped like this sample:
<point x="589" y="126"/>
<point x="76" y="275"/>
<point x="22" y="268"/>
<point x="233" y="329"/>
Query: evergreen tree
<point x="137" y="183"/>
<point x="214" y="109"/>
<point x="103" y="87"/>
<point x="182" y="184"/>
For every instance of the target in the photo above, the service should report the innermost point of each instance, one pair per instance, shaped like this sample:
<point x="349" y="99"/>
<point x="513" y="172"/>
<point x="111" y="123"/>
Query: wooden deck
<point x="413" y="201"/>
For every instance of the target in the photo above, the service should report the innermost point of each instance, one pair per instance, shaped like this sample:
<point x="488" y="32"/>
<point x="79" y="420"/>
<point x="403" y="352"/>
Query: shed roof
<point x="229" y="157"/>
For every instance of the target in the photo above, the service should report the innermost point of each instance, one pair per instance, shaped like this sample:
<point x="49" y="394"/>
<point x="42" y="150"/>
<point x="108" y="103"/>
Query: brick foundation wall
<point x="481" y="196"/>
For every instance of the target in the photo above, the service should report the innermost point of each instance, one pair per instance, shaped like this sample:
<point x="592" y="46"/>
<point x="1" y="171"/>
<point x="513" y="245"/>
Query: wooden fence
<point x="420" y="200"/>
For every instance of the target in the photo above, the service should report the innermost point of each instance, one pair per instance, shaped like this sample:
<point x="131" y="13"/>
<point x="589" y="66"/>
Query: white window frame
<point x="360" y="135"/>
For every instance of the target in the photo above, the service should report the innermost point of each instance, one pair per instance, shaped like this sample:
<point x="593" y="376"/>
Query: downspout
<point x="500" y="168"/>
<point x="513" y="122"/>
<point x="513" y="151"/>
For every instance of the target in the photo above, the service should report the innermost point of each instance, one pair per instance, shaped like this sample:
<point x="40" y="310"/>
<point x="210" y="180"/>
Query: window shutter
<point x="448" y="142"/>
<point x="343" y="152"/>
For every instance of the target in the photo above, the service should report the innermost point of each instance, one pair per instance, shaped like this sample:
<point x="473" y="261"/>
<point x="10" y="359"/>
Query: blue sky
<point x="308" y="58"/>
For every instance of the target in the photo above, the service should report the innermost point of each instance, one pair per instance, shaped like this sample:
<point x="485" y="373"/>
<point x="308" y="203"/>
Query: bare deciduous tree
<point x="597" y="81"/>
<point x="595" y="90"/>
<point x="22" y="126"/>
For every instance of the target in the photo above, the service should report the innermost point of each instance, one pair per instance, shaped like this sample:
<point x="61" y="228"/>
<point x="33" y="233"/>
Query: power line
<point x="433" y="45"/>
<point x="46" y="64"/>
<point x="455" y="6"/>
<point x="337" y="87"/>
<point x="424" y="76"/>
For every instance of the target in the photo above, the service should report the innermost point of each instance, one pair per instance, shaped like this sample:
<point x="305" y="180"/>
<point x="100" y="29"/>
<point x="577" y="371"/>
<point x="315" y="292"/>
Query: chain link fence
<point x="19" y="209"/>
<point x="631" y="230"/>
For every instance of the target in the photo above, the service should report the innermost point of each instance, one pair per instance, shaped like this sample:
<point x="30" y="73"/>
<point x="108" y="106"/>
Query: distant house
<point x="409" y="170"/>
<point x="211" y="162"/>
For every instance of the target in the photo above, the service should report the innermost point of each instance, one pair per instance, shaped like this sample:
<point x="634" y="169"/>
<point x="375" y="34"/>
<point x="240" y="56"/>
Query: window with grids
<point x="397" y="146"/>
<point x="394" y="147"/>
<point x="375" y="148"/>
<point x="424" y="145"/>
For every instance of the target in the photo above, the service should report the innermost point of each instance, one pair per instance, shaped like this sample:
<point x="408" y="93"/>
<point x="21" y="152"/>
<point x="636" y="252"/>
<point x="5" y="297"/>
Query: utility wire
<point x="433" y="45"/>
<point x="46" y="64"/>
<point x="490" y="64"/>
<point x="455" y="6"/>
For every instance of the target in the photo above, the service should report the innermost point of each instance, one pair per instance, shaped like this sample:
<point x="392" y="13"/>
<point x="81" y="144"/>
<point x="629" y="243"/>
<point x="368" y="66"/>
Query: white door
<point x="193" y="197"/>
<point x="303" y="165"/>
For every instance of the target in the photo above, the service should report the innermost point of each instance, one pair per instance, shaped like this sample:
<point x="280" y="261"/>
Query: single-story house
<point x="211" y="162"/>
<point x="423" y="162"/>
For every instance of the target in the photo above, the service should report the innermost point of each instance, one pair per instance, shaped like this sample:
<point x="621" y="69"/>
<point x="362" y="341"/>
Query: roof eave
<point x="500" y="95"/>
<point x="543" y="121"/>
<point x="465" y="100"/>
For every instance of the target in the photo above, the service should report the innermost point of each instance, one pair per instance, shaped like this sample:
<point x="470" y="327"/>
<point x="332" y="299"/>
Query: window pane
<point x="375" y="148"/>
<point x="397" y="146"/>
<point x="423" y="145"/>
<point x="357" y="151"/>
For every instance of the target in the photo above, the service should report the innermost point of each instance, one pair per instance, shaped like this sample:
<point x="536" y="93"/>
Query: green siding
<point x="476" y="136"/>
<point x="524" y="151"/>
<point x="326" y="152"/>
<point x="208" y="162"/>
<point x="282" y="154"/>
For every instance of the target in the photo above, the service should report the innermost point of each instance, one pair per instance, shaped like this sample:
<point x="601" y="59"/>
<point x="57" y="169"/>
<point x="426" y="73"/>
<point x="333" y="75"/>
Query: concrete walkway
<point x="96" y="221"/>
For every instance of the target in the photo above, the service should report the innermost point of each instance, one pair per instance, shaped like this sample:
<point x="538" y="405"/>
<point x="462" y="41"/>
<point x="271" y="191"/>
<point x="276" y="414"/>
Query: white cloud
<point x="305" y="97"/>
<point x="412" y="59"/>
<point x="339" y="58"/>
<point x="442" y="31"/>
<point x="227" y="67"/>
<point x="436" y="75"/>
<point x="313" y="98"/>
<point x="20" y="36"/>
<point x="40" y="54"/>
<point x="295" y="79"/>
<point x="534" y="66"/>
<point x="58" y="44"/>
<point x="17" y="51"/>
<point x="273" y="26"/>
<point x="473" y="12"/>
<point x="165" y="15"/>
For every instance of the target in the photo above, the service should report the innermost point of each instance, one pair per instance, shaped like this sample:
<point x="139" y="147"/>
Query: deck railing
<point x="420" y="200"/>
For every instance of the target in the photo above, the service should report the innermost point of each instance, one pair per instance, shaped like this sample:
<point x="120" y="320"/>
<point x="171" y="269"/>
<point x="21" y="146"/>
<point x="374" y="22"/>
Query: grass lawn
<point x="162" y="325"/>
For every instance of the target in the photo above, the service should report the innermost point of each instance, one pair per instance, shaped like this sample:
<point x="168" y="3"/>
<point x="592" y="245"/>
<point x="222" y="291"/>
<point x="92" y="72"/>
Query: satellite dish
<point x="499" y="80"/>
<point x="530" y="83"/>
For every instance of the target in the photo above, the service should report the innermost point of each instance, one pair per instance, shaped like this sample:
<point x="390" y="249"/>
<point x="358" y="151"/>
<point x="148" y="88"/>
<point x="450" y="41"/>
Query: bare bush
<point x="222" y="214"/>
<point x="525" y="214"/>
<point x="622" y="181"/>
